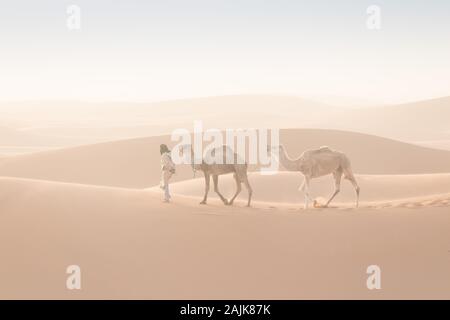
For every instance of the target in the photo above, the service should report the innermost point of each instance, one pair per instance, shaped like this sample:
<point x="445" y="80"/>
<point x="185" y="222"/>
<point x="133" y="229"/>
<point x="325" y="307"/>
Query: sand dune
<point x="135" y="163"/>
<point x="128" y="163"/>
<point x="13" y="137"/>
<point x="416" y="121"/>
<point x="120" y="113"/>
<point x="96" y="213"/>
<point x="88" y="122"/>
<point x="283" y="187"/>
<point x="130" y="245"/>
<point x="437" y="144"/>
<point x="67" y="122"/>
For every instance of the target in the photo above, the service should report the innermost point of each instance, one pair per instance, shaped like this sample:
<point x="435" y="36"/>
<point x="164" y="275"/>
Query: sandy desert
<point x="83" y="190"/>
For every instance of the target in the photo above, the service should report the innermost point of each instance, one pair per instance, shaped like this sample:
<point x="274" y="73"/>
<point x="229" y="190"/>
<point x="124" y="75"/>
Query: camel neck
<point x="288" y="163"/>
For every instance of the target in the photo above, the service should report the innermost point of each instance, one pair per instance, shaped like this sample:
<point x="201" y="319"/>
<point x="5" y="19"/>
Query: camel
<point x="317" y="163"/>
<point x="209" y="168"/>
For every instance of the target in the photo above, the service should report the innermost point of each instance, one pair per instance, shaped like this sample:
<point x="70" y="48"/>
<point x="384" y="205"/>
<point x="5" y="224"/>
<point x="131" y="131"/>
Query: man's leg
<point x="161" y="182"/>
<point x="167" y="176"/>
<point x="166" y="192"/>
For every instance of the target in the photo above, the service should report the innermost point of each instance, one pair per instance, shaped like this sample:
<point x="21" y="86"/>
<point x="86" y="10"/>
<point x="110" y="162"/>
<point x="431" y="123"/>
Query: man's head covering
<point x="163" y="148"/>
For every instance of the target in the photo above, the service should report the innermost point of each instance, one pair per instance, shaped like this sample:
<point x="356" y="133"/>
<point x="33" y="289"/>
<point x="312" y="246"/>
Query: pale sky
<point x="144" y="50"/>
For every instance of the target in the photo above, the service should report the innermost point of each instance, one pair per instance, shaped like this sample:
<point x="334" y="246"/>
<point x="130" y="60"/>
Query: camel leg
<point x="306" y="188"/>
<point x="249" y="189"/>
<point x="302" y="189"/>
<point x="216" y="189"/>
<point x="349" y="176"/>
<point x="355" y="185"/>
<point x="207" y="180"/>
<point x="337" y="185"/>
<point x="238" y="189"/>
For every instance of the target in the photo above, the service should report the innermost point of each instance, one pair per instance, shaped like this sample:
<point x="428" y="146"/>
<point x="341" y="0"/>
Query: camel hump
<point x="324" y="148"/>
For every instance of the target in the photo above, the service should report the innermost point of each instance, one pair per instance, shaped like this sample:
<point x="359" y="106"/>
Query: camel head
<point x="274" y="149"/>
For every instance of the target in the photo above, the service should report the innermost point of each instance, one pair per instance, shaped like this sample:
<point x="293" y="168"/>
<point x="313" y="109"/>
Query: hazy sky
<point x="144" y="50"/>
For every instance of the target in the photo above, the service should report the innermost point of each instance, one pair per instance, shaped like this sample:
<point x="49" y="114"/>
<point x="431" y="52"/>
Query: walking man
<point x="167" y="168"/>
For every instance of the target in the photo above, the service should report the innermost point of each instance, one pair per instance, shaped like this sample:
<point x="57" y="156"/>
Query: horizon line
<point x="305" y="97"/>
